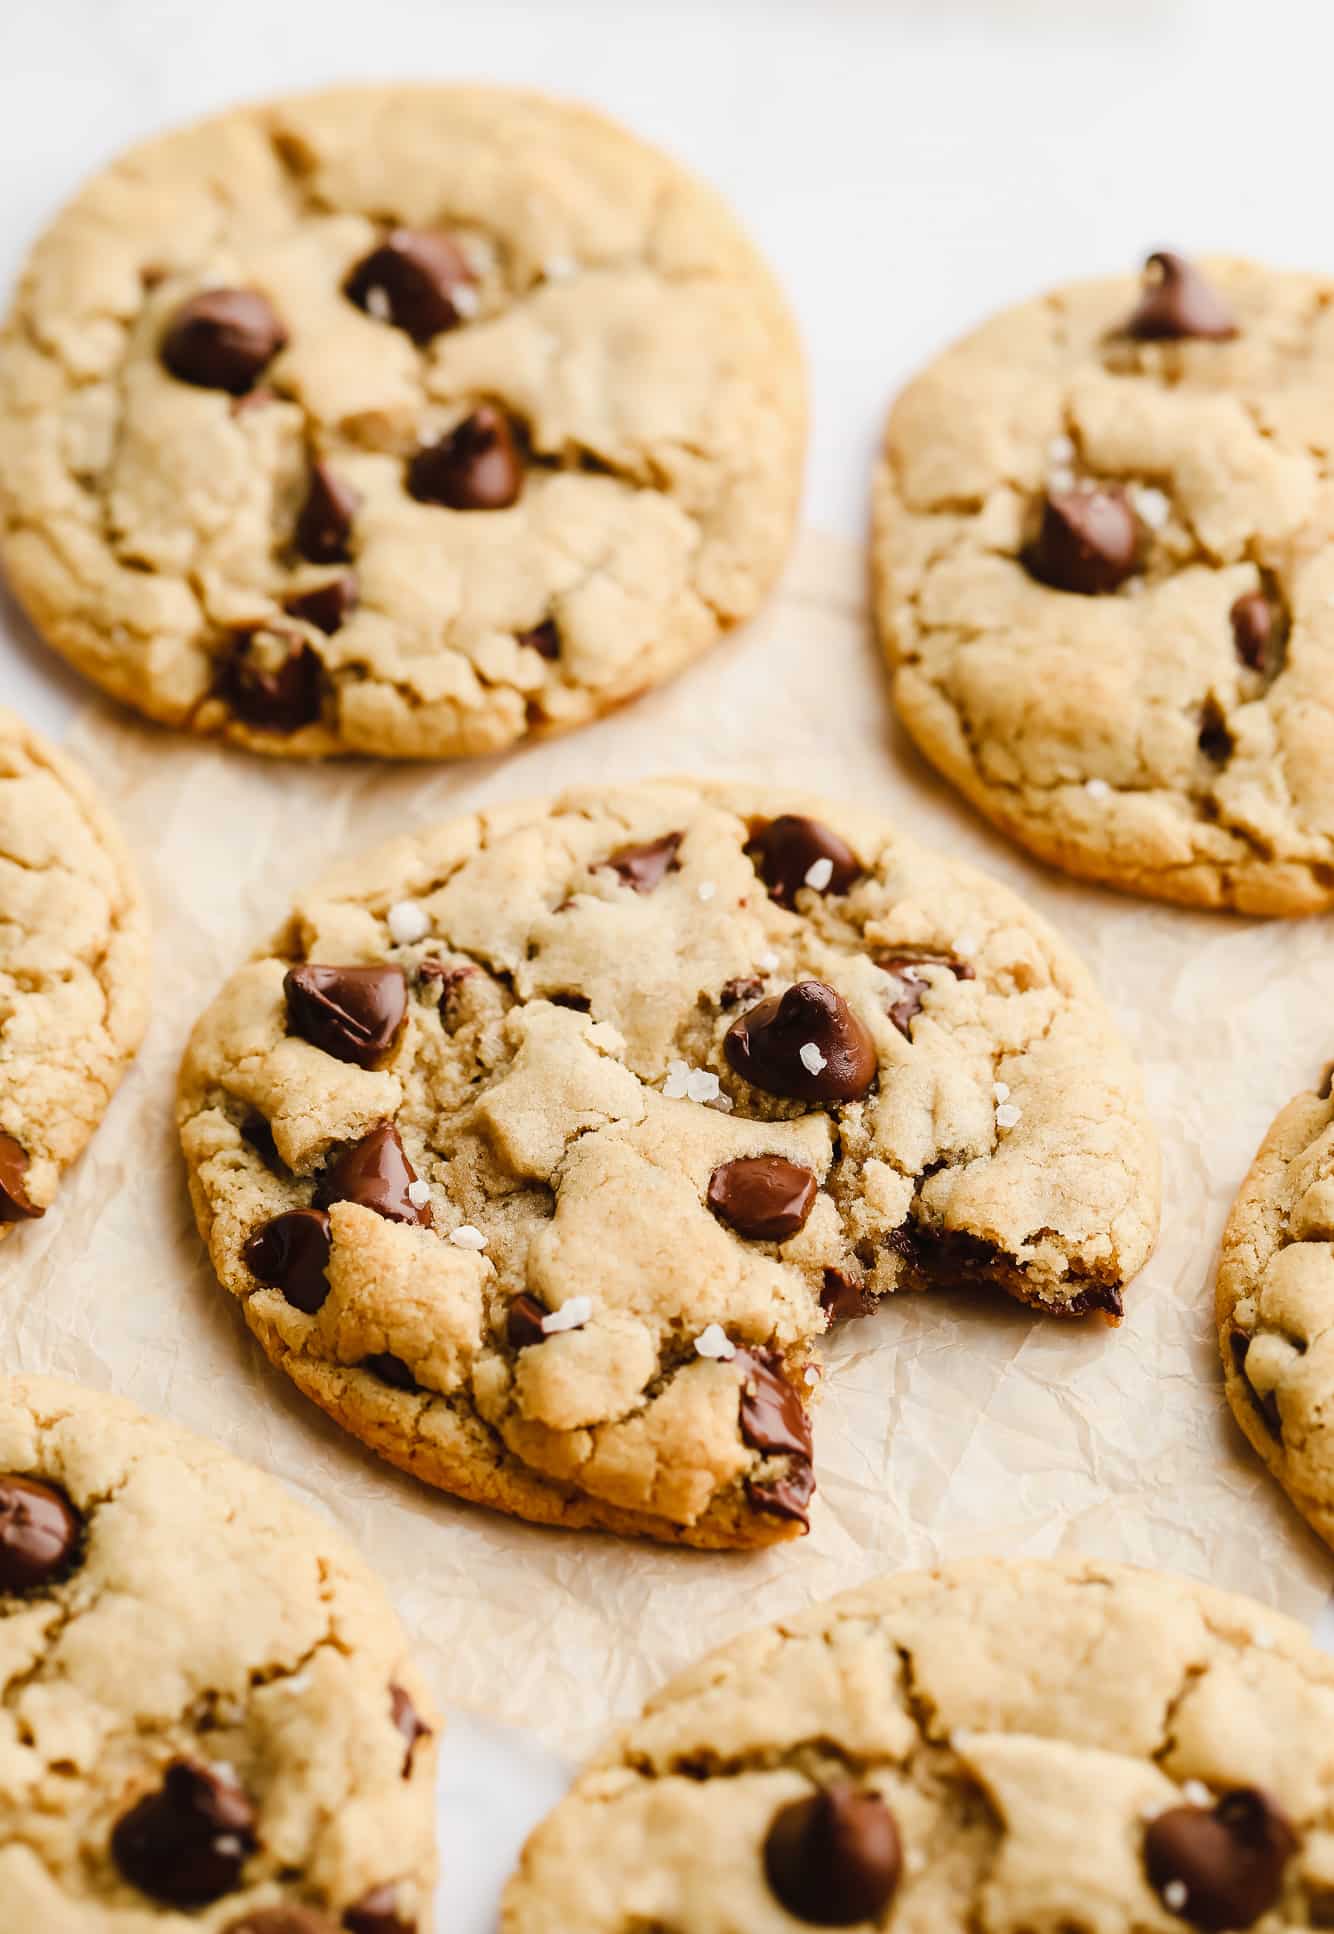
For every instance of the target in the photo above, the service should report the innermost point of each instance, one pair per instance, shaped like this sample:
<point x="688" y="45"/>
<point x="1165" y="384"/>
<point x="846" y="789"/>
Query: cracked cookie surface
<point x="541" y="1147"/>
<point x="207" y="1709"/>
<point x="1275" y="1305"/>
<point x="74" y="965"/>
<point x="1104" y="565"/>
<point x="1001" y="1748"/>
<point x="405" y="421"/>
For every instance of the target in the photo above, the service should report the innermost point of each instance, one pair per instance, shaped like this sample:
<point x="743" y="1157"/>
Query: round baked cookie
<point x="398" y="420"/>
<point x="74" y="961"/>
<point x="1104" y="550"/>
<point x="541" y="1147"/>
<point x="208" y="1717"/>
<point x="1275" y="1305"/>
<point x="1015" y="1748"/>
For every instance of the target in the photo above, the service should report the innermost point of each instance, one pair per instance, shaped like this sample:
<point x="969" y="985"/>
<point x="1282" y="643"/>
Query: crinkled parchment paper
<point x="949" y="1425"/>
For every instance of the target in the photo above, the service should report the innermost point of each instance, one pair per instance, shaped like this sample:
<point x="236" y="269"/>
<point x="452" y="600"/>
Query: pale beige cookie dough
<point x="1166" y="732"/>
<point x="74" y="965"/>
<point x="207" y="1709"/>
<point x="1275" y="1305"/>
<point x="230" y="489"/>
<point x="530" y="1188"/>
<point x="994" y="1748"/>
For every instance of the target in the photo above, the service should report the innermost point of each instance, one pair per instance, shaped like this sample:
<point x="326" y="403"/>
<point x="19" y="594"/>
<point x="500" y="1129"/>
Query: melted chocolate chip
<point x="765" y="1046"/>
<point x="523" y="1324"/>
<point x="904" y="963"/>
<point x="16" y="1205"/>
<point x="376" y="1173"/>
<point x="788" y="1496"/>
<point x="1266" y="1405"/>
<point x="291" y="1253"/>
<point x="787" y="848"/>
<point x="1229" y="1858"/>
<point x="409" y="1723"/>
<point x="279" y="697"/>
<point x="1177" y="302"/>
<point x="324" y="522"/>
<point x="353" y="1013"/>
<point x="763" y="1197"/>
<point x="390" y="1369"/>
<point x="223" y="339"/>
<point x="377" y="1913"/>
<point x="39" y="1534"/>
<point x="476" y="467"/>
<point x="647" y="866"/>
<point x="187" y="1843"/>
<point x="905" y="1009"/>
<point x="1215" y="740"/>
<point x="327" y="605"/>
<point x="843" y="1296"/>
<point x="281" y="1920"/>
<point x="411" y="280"/>
<point x="543" y="639"/>
<point x="772" y="1416"/>
<point x="742" y="987"/>
<point x="1088" y="542"/>
<point x="834" y="1858"/>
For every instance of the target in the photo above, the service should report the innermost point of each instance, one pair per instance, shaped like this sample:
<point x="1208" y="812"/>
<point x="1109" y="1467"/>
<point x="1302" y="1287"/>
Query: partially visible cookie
<point x="541" y="1147"/>
<point x="1016" y="1748"/>
<point x="397" y="420"/>
<point x="1104" y="554"/>
<point x="208" y="1717"/>
<point x="74" y="959"/>
<point x="1275" y="1305"/>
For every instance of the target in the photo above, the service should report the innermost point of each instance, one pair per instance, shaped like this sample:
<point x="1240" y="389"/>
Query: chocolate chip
<point x="834" y="1858"/>
<point x="806" y="1044"/>
<point x="375" y="1173"/>
<point x="742" y="987"/>
<point x="281" y="1920"/>
<point x="324" y="522"/>
<point x="1266" y="1405"/>
<point x="353" y="1013"/>
<point x="763" y="1197"/>
<point x="788" y="1496"/>
<point x="389" y="1369"/>
<point x="904" y="958"/>
<point x="377" y="1913"/>
<point x="577" y="1003"/>
<point x="16" y="1205"/>
<point x="476" y="467"/>
<point x="909" y="1004"/>
<point x="523" y="1325"/>
<point x="787" y="848"/>
<point x="327" y="605"/>
<point x="187" y="1843"/>
<point x="291" y="1253"/>
<point x="645" y="867"/>
<point x="844" y="1296"/>
<point x="1215" y="740"/>
<point x="1088" y="542"/>
<point x="39" y="1534"/>
<point x="1177" y="302"/>
<point x="273" y="697"/>
<point x="409" y="1723"/>
<point x="772" y="1416"/>
<point x="223" y="339"/>
<point x="543" y="638"/>
<point x="257" y="1132"/>
<point x="412" y="281"/>
<point x="1229" y="1859"/>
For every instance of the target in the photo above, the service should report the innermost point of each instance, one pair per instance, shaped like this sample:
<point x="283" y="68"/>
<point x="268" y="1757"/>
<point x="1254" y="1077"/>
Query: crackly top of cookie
<point x="403" y="420"/>
<point x="540" y="1147"/>
<point x="1276" y="1304"/>
<point x="999" y="1746"/>
<point x="1104" y="560"/>
<point x="206" y="1707"/>
<point x="73" y="967"/>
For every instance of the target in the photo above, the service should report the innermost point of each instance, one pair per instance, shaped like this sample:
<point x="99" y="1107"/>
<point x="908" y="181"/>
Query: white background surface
<point x="907" y="167"/>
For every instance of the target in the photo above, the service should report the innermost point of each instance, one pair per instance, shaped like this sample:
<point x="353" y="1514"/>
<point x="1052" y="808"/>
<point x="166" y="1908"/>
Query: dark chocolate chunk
<point x="806" y="1044"/>
<point x="16" y="1205"/>
<point x="1177" y="302"/>
<point x="291" y="1253"/>
<point x="477" y="466"/>
<point x="412" y="280"/>
<point x="324" y="522"/>
<point x="39" y="1534"/>
<point x="773" y="1418"/>
<point x="272" y="694"/>
<point x="647" y="866"/>
<point x="844" y="1296"/>
<point x="788" y="1496"/>
<point x="353" y="1013"/>
<point x="326" y="606"/>
<point x="376" y="1173"/>
<point x="523" y="1324"/>
<point x="543" y="639"/>
<point x="787" y="849"/>
<point x="742" y="987"/>
<point x="763" y="1197"/>
<point x="409" y="1723"/>
<point x="835" y="1858"/>
<point x="390" y="1369"/>
<point x="223" y="339"/>
<point x="1088" y="542"/>
<point x="1222" y="1866"/>
<point x="186" y="1843"/>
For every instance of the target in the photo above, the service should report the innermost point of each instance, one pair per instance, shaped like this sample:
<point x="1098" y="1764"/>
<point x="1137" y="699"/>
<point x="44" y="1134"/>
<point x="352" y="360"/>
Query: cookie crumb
<point x="811" y="1058"/>
<point x="571" y="1315"/>
<point x="407" y="922"/>
<point x="713" y="1341"/>
<point x="466" y="1237"/>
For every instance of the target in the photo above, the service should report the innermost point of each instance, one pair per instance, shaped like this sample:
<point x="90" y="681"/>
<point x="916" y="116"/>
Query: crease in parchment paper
<point x="949" y="1426"/>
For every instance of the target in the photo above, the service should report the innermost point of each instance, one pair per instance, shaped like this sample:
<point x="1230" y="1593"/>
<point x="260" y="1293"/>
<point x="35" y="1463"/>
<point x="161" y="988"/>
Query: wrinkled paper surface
<point x="949" y="1426"/>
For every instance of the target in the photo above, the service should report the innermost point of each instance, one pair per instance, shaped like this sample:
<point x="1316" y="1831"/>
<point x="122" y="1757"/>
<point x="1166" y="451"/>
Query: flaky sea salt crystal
<point x="1001" y="1091"/>
<point x="966" y="945"/>
<point x="558" y="268"/>
<point x="715" y="1342"/>
<point x="678" y="1074"/>
<point x="466" y="1237"/>
<point x="570" y="1316"/>
<point x="812" y="1374"/>
<point x="407" y="922"/>
<point x="819" y="873"/>
<point x="1061" y="451"/>
<point x="811" y="1058"/>
<point x="1007" y="1115"/>
<point x="1151" y="506"/>
<point x="701" y="1085"/>
<point x="419" y="1194"/>
<point x="1175" y="1895"/>
<point x="706" y="889"/>
<point x="378" y="303"/>
<point x="1197" y="1793"/>
<point x="465" y="301"/>
<point x="1097" y="789"/>
<point x="767" y="963"/>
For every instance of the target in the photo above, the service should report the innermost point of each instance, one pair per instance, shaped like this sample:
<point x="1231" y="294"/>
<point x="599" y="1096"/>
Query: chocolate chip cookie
<point x="74" y="960"/>
<point x="1104" y="554"/>
<point x="1012" y="1747"/>
<point x="396" y="420"/>
<point x="209" y="1717"/>
<point x="1274" y="1304"/>
<point x="541" y="1148"/>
